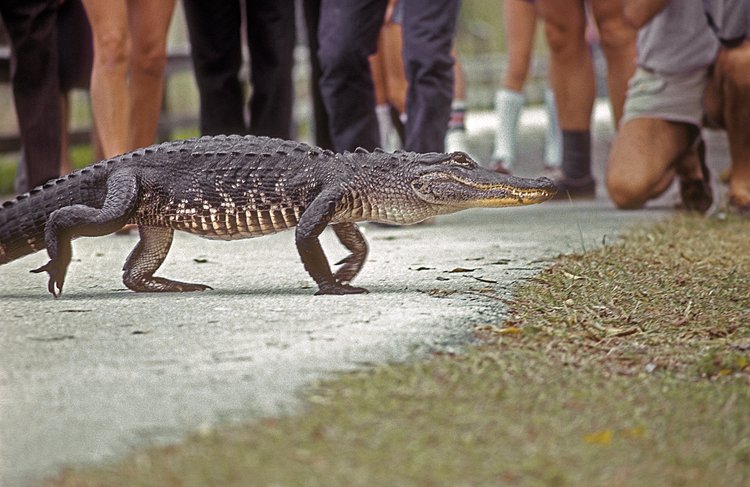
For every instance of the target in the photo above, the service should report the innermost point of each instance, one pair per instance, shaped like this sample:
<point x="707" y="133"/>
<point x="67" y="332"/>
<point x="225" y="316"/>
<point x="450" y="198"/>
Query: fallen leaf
<point x="461" y="269"/>
<point x="622" y="332"/>
<point x="481" y="279"/>
<point x="52" y="338"/>
<point x="421" y="268"/>
<point x="486" y="290"/>
<point x="200" y="260"/>
<point x="440" y="292"/>
<point x="572" y="276"/>
<point x="603" y="437"/>
<point x="510" y="330"/>
<point x="635" y="432"/>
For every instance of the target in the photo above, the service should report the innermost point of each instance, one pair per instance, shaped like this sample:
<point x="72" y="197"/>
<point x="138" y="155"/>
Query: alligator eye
<point x="462" y="159"/>
<point x="417" y="185"/>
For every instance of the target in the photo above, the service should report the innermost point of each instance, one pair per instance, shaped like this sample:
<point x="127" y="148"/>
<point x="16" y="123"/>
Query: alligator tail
<point x="23" y="219"/>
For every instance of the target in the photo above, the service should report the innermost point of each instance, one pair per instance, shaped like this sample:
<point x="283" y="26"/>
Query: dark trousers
<point x="215" y="37"/>
<point x="311" y="12"/>
<point x="32" y="29"/>
<point x="348" y="33"/>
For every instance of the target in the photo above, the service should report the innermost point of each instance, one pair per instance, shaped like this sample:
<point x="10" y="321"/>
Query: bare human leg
<point x="110" y="96"/>
<point x="726" y="105"/>
<point x="148" y="23"/>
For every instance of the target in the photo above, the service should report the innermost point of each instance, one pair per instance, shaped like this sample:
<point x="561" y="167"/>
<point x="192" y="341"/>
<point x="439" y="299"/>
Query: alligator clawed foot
<point x="151" y="284"/>
<point x="56" y="277"/>
<point x="339" y="289"/>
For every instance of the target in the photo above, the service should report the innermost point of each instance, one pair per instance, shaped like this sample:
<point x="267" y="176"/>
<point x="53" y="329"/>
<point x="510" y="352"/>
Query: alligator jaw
<point x="481" y="188"/>
<point x="510" y="192"/>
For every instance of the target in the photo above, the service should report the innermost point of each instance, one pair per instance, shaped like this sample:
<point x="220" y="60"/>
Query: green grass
<point x="7" y="174"/>
<point x="624" y="366"/>
<point x="81" y="156"/>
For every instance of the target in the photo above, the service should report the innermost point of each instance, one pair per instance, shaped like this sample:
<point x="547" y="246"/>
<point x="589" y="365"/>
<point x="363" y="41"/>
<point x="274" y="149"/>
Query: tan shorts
<point x="676" y="98"/>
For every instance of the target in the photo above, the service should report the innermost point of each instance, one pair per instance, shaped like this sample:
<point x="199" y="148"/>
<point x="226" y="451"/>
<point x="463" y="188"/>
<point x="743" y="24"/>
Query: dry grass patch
<point x="674" y="297"/>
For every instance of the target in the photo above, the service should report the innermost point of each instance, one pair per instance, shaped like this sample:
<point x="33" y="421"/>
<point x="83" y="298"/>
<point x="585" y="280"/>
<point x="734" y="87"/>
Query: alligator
<point x="233" y="187"/>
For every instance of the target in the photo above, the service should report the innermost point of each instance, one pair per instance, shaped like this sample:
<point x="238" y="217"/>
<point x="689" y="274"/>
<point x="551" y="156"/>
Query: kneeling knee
<point x="627" y="193"/>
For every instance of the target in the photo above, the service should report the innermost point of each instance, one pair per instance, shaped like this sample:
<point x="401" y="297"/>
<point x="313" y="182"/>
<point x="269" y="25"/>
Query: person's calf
<point x="732" y="70"/>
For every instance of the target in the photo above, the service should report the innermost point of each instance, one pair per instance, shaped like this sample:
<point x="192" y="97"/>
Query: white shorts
<point x="676" y="98"/>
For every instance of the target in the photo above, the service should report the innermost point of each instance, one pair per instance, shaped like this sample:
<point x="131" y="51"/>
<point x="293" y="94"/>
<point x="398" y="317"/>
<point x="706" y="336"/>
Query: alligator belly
<point x="232" y="225"/>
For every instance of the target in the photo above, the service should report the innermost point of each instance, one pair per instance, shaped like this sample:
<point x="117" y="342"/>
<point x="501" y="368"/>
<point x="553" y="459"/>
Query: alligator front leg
<point x="311" y="224"/>
<point x="85" y="221"/>
<point x="147" y="257"/>
<point x="350" y="236"/>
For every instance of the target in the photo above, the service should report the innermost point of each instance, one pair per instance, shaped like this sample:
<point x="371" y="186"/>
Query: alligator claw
<point x="189" y="287"/>
<point x="56" y="277"/>
<point x="347" y="260"/>
<point x="340" y="289"/>
<point x="349" y="270"/>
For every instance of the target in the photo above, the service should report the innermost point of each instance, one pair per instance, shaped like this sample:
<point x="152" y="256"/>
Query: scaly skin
<point x="232" y="187"/>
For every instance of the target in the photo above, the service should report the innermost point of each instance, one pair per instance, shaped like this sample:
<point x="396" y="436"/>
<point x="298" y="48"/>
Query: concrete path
<point x="85" y="377"/>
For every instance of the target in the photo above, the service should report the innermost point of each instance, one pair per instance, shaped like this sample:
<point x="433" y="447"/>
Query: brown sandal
<point x="697" y="194"/>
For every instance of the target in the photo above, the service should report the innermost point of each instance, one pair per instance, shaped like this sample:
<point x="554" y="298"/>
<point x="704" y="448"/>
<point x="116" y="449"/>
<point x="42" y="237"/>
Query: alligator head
<point x="403" y="188"/>
<point x="456" y="182"/>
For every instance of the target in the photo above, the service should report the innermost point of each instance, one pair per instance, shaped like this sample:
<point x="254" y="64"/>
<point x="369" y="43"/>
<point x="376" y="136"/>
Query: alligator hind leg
<point x="85" y="221"/>
<point x="147" y="257"/>
<point x="350" y="236"/>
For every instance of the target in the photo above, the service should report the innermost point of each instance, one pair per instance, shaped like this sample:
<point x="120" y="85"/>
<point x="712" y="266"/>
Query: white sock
<point x="456" y="141"/>
<point x="553" y="140"/>
<point x="455" y="137"/>
<point x="508" y="105"/>
<point x="388" y="134"/>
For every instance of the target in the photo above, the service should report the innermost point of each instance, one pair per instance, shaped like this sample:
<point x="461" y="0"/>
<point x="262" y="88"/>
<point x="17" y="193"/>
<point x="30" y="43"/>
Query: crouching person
<point x="659" y="137"/>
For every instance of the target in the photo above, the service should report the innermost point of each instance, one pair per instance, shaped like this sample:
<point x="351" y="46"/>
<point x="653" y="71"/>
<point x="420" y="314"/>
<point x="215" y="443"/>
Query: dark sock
<point x="576" y="160"/>
<point x="458" y="116"/>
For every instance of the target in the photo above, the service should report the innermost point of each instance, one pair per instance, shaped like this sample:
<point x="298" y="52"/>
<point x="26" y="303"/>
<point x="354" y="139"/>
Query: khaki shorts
<point x="675" y="98"/>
